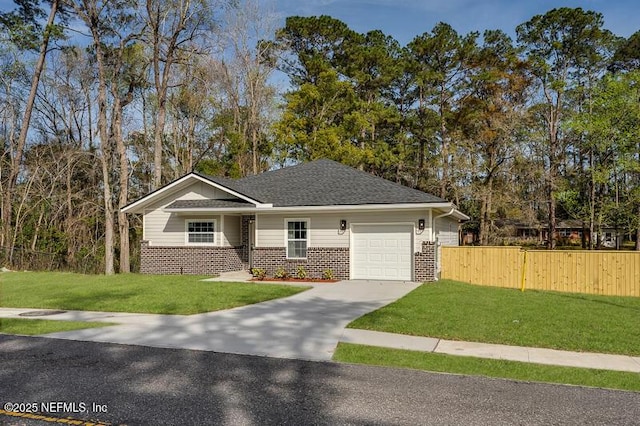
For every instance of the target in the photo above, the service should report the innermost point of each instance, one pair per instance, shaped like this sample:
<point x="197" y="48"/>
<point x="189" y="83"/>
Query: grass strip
<point x="361" y="354"/>
<point x="156" y="294"/>
<point x="33" y="327"/>
<point x="457" y="311"/>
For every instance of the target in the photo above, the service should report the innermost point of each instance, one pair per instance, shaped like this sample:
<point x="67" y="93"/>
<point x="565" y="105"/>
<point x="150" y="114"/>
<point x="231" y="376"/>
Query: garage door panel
<point x="382" y="252"/>
<point x="375" y="244"/>
<point x="391" y="243"/>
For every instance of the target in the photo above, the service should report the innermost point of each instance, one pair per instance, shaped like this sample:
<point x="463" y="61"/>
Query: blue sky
<point x="404" y="19"/>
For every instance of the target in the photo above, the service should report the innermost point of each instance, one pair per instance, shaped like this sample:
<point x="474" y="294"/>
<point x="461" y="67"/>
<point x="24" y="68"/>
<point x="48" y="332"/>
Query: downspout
<point x="433" y="235"/>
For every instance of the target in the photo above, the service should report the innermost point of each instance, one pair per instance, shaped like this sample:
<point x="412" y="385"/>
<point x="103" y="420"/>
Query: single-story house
<point x="320" y="215"/>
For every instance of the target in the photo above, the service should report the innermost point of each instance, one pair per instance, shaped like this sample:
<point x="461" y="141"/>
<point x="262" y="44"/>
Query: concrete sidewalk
<point x="178" y="331"/>
<point x="493" y="351"/>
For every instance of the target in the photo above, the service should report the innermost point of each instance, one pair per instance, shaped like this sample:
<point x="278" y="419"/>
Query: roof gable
<point x="186" y="180"/>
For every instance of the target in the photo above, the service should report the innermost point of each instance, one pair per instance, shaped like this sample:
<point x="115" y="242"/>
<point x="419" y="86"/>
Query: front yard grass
<point x="33" y="327"/>
<point x="156" y="294"/>
<point x="486" y="367"/>
<point x="458" y="311"/>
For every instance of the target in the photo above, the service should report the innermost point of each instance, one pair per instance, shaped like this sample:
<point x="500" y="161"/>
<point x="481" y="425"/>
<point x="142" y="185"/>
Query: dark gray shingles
<point x="322" y="183"/>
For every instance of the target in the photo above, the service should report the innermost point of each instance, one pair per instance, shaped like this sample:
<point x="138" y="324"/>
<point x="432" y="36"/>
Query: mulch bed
<point x="297" y="280"/>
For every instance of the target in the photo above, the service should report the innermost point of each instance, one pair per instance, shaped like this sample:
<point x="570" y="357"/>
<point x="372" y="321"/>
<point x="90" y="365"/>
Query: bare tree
<point x="244" y="78"/>
<point x="17" y="154"/>
<point x="173" y="29"/>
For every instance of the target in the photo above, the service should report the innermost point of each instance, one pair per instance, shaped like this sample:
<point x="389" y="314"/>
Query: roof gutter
<point x="266" y="208"/>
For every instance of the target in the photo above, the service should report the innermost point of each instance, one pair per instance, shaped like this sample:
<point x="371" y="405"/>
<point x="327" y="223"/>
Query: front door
<point x="252" y="230"/>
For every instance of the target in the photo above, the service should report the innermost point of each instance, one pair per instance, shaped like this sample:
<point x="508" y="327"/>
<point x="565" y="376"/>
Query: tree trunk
<point x="69" y="204"/>
<point x="485" y="211"/>
<point x="190" y="143"/>
<point x="444" y="148"/>
<point x="592" y="202"/>
<point x="157" y="146"/>
<point x="105" y="151"/>
<point x="254" y="149"/>
<point x="108" y="214"/>
<point x="123" y="220"/>
<point x="553" y="172"/>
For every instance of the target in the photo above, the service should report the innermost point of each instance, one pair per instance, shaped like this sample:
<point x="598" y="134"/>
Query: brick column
<point x="425" y="262"/>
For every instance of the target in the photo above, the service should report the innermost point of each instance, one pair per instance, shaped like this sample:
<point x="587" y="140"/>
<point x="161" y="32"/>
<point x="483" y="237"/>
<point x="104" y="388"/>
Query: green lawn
<point x="486" y="367"/>
<point x="158" y="294"/>
<point x="457" y="311"/>
<point x="32" y="327"/>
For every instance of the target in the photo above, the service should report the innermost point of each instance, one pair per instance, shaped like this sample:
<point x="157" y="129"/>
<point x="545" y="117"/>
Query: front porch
<point x="231" y="252"/>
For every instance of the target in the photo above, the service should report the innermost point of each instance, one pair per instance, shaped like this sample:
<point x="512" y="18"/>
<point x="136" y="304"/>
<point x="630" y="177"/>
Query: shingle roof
<point x="187" y="204"/>
<point x="322" y="183"/>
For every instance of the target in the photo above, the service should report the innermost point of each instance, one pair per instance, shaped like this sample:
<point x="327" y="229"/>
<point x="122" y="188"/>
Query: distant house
<point x="568" y="232"/>
<point x="319" y="216"/>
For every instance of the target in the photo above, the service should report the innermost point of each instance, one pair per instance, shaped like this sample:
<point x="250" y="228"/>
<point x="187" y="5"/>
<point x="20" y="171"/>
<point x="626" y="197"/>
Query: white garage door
<point x="382" y="252"/>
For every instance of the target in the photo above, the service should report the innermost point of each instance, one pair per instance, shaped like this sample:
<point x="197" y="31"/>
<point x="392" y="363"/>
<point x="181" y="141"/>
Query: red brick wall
<point x="318" y="260"/>
<point x="189" y="260"/>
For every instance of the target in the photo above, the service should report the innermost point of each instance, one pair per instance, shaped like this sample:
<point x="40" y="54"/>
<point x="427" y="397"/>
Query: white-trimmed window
<point x="200" y="231"/>
<point x="297" y="238"/>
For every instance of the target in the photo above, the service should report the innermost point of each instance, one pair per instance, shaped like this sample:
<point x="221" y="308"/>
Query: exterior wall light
<point x="343" y="224"/>
<point x="421" y="223"/>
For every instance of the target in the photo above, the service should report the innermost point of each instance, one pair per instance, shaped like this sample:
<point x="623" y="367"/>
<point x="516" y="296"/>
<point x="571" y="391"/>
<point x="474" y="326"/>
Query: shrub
<point x="327" y="274"/>
<point x="259" y="273"/>
<point x="301" y="273"/>
<point x="281" y="273"/>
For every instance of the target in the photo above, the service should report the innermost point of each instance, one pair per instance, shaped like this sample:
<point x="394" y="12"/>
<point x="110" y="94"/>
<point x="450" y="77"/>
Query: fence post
<point x="524" y="272"/>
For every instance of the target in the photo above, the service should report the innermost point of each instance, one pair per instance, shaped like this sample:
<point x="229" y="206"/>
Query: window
<point x="201" y="231"/>
<point x="297" y="239"/>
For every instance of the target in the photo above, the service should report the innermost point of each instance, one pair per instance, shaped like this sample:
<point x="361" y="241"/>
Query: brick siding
<point x="189" y="260"/>
<point x="214" y="260"/>
<point x="425" y="263"/>
<point x="318" y="260"/>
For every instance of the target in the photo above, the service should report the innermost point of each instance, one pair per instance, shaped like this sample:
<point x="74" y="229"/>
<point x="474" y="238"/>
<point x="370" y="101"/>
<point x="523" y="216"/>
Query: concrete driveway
<point x="307" y="325"/>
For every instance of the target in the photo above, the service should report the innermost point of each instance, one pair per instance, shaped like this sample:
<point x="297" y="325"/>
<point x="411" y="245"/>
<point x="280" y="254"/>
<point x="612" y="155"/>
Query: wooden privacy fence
<point x="612" y="273"/>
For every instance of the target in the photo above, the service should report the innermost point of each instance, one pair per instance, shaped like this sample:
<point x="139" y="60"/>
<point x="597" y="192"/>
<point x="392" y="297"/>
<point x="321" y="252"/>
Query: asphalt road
<point x="141" y="385"/>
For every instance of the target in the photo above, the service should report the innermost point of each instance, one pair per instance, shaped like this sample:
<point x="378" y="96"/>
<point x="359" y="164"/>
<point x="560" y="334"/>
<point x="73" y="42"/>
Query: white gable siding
<point x="447" y="231"/>
<point x="168" y="229"/>
<point x="446" y="235"/>
<point x="324" y="227"/>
